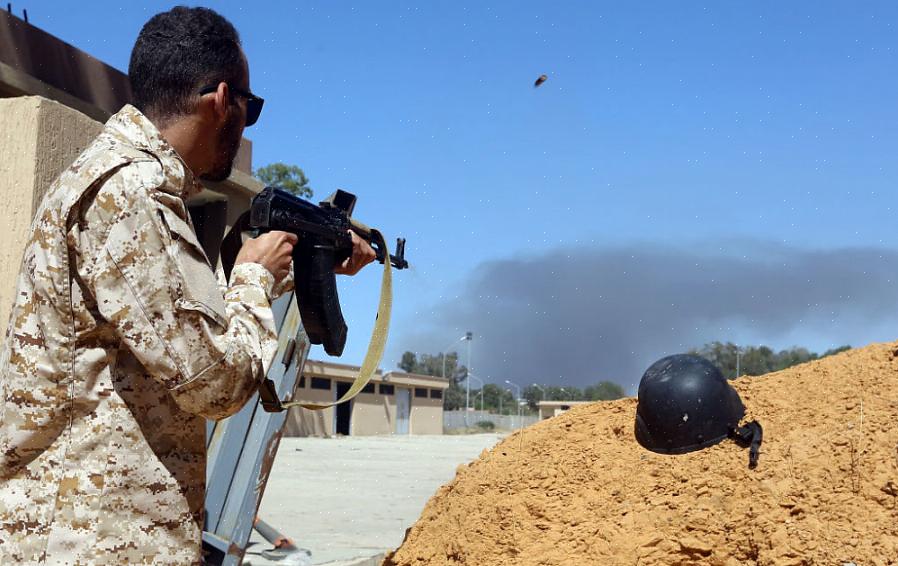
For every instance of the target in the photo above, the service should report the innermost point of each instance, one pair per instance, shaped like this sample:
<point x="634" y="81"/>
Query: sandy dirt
<point x="578" y="489"/>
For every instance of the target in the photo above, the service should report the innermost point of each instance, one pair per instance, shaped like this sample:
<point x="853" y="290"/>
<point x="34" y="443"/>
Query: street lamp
<point x="468" y="336"/>
<point x="542" y="396"/>
<point x="501" y="396"/>
<point x="518" y="388"/>
<point x="542" y="392"/>
<point x="480" y="381"/>
<point x="738" y="359"/>
<point x="465" y="337"/>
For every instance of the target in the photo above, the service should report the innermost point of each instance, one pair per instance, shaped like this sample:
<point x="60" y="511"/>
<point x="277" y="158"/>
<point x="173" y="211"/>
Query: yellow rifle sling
<point x="378" y="336"/>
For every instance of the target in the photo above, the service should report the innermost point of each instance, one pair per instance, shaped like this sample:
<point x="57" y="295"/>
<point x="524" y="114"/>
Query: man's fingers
<point x="273" y="250"/>
<point x="362" y="255"/>
<point x="369" y="254"/>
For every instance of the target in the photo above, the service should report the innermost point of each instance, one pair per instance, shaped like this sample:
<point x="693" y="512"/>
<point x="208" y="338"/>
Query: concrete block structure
<point x="39" y="138"/>
<point x="393" y="403"/>
<point x="549" y="409"/>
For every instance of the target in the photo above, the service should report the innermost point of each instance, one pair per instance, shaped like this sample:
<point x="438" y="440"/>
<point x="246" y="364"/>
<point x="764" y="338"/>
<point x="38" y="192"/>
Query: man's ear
<point x="221" y="101"/>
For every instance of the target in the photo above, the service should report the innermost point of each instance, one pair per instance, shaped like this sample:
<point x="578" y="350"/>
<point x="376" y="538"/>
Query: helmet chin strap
<point x="749" y="436"/>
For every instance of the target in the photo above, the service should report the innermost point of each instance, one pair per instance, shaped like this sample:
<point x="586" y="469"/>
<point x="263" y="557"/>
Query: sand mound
<point x="577" y="489"/>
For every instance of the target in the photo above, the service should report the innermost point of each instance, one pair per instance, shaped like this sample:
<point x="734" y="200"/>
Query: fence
<point x="456" y="419"/>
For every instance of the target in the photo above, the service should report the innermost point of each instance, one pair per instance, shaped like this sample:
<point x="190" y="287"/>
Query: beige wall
<point x="373" y="414"/>
<point x="549" y="409"/>
<point x="304" y="422"/>
<point x="34" y="62"/>
<point x="39" y="138"/>
<point x="427" y="415"/>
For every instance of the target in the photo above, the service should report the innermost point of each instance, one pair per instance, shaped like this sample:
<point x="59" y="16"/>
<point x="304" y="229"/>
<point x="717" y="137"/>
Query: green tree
<point x="429" y="364"/>
<point x="288" y="177"/>
<point x="757" y="360"/>
<point x="533" y="395"/>
<point x="496" y="398"/>
<point x="834" y="351"/>
<point x="603" y="391"/>
<point x="453" y="397"/>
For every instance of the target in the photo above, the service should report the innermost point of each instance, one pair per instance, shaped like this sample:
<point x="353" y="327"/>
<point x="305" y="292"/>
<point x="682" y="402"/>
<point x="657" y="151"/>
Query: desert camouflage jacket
<point x="120" y="343"/>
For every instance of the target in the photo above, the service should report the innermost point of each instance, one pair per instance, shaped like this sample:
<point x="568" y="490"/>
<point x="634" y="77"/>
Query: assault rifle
<point x="324" y="242"/>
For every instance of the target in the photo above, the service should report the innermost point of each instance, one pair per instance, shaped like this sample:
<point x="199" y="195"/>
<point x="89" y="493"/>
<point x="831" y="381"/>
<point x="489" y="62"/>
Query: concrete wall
<point x="427" y="415"/>
<point x="39" y="138"/>
<point x="303" y="422"/>
<point x="549" y="409"/>
<point x="34" y="62"/>
<point x="27" y="52"/>
<point x="373" y="414"/>
<point x="453" y="420"/>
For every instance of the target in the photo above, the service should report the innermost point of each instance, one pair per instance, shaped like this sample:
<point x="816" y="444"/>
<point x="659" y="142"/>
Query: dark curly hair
<point x="177" y="53"/>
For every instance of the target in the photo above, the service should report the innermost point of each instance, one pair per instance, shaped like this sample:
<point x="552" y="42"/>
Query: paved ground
<point x="349" y="497"/>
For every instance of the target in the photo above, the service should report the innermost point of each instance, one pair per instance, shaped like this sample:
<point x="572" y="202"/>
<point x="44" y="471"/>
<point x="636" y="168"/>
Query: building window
<point x="302" y="382"/>
<point x="321" y="383"/>
<point x="386" y="389"/>
<point x="368" y="388"/>
<point x="436" y="393"/>
<point x="420" y="392"/>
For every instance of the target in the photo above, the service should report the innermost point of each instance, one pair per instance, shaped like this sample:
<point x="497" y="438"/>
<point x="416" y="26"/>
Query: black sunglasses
<point x="253" y="102"/>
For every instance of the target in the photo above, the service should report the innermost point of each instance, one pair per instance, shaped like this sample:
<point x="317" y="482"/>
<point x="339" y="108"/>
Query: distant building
<point x="548" y="409"/>
<point x="392" y="403"/>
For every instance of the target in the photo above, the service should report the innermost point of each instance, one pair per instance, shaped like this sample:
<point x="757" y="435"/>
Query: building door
<point x="403" y="404"/>
<point x="343" y="411"/>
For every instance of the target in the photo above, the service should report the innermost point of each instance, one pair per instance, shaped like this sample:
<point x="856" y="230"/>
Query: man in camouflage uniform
<point x="122" y="340"/>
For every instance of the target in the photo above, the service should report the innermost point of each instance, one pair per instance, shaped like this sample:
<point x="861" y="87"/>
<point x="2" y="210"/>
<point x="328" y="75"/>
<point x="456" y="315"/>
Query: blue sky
<point x="763" y="132"/>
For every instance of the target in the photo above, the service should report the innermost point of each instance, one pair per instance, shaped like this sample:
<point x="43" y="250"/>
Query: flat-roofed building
<point x="549" y="409"/>
<point x="392" y="403"/>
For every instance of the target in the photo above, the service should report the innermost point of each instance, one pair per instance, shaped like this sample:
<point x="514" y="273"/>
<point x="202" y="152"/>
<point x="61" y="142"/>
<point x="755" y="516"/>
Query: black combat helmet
<point x="686" y="404"/>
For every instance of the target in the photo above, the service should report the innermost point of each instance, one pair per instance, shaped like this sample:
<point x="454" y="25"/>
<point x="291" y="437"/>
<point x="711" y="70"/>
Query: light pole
<point x="542" y="397"/>
<point x="738" y="359"/>
<point x="501" y="395"/>
<point x="465" y="337"/>
<point x="468" y="336"/>
<point x="518" y="388"/>
<point x="480" y="381"/>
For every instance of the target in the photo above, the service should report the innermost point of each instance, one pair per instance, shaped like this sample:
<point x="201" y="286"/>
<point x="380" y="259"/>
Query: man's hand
<point x="362" y="255"/>
<point x="273" y="251"/>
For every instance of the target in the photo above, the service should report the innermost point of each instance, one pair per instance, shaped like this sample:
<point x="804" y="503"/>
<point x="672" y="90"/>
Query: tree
<point x="494" y="398"/>
<point x="453" y="397"/>
<point x="757" y="360"/>
<point x="428" y="364"/>
<point x="834" y="351"/>
<point x="603" y="391"/>
<point x="288" y="177"/>
<point x="566" y="393"/>
<point x="533" y="395"/>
